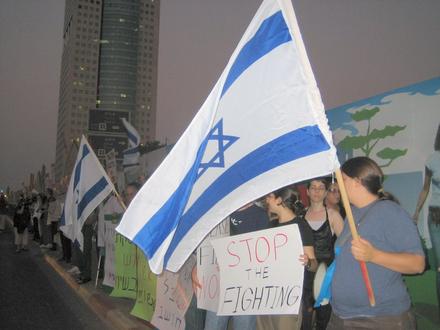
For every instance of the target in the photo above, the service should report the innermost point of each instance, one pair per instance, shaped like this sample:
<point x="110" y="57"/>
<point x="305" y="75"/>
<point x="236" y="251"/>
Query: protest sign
<point x="207" y="269"/>
<point x="125" y="269"/>
<point x="173" y="294"/>
<point x="260" y="272"/>
<point x="146" y="289"/>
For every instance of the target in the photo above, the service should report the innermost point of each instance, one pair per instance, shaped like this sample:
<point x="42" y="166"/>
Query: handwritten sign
<point x="146" y="289"/>
<point x="260" y="272"/>
<point x="208" y="270"/>
<point x="125" y="269"/>
<point x="173" y="293"/>
<point x="109" y="263"/>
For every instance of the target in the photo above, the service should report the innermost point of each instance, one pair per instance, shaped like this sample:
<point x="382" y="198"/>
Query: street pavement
<point x="37" y="292"/>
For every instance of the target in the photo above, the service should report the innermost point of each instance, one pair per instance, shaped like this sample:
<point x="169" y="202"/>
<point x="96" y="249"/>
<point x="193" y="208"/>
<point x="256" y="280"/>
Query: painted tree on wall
<point x="367" y="142"/>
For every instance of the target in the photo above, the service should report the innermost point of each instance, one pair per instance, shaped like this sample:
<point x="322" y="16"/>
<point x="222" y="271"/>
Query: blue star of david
<point x="223" y="143"/>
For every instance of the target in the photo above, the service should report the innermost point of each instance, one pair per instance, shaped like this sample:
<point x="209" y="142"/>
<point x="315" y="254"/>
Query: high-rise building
<point x="109" y="62"/>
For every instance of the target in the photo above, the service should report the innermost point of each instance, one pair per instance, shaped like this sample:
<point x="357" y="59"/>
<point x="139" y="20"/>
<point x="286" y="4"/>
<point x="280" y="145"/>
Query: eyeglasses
<point x="317" y="188"/>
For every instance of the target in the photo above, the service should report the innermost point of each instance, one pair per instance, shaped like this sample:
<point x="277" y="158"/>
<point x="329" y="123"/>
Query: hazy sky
<point x="357" y="48"/>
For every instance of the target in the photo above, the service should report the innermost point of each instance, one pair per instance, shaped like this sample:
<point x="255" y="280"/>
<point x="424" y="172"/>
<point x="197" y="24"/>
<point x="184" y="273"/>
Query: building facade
<point x="109" y="62"/>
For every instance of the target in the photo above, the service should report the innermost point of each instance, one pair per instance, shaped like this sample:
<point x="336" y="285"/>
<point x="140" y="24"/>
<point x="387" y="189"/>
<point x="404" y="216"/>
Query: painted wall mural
<point x="397" y="129"/>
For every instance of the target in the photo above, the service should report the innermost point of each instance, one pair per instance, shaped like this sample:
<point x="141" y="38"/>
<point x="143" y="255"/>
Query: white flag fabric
<point x="262" y="127"/>
<point x="131" y="154"/>
<point x="134" y="138"/>
<point x="89" y="185"/>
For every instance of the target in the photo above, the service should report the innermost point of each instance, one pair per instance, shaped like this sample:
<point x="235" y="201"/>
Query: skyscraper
<point x="109" y="62"/>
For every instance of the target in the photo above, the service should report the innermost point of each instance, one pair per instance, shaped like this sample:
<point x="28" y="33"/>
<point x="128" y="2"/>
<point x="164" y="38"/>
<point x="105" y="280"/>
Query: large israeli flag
<point x="262" y="127"/>
<point x="89" y="185"/>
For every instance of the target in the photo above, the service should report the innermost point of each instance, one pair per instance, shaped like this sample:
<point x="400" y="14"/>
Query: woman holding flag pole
<point x="388" y="243"/>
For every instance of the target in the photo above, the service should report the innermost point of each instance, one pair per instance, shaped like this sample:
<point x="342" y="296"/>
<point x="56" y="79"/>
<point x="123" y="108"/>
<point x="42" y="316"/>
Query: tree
<point x="367" y="142"/>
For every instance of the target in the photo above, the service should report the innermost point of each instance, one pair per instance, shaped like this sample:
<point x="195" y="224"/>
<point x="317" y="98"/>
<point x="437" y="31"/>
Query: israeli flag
<point x="262" y="127"/>
<point x="131" y="154"/>
<point x="89" y="185"/>
<point x="134" y="138"/>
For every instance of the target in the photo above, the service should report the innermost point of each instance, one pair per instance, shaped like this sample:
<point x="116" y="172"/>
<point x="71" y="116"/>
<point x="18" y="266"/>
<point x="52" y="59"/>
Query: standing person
<point x="390" y="246"/>
<point x="333" y="199"/>
<point x="432" y="178"/>
<point x="85" y="264"/>
<point x="21" y="223"/>
<point x="53" y="216"/>
<point x="325" y="223"/>
<point x="66" y="243"/>
<point x="3" y="211"/>
<point x="35" y="215"/>
<point x="282" y="203"/>
<point x="45" y="230"/>
<point x="247" y="219"/>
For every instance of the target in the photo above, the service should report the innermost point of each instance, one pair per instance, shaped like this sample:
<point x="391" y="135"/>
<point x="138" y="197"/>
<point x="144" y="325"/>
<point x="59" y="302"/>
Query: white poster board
<point x="208" y="270"/>
<point x="260" y="272"/>
<point x="173" y="296"/>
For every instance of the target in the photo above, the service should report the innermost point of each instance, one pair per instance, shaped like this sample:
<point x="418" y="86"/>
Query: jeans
<point x="194" y="317"/>
<point x="404" y="321"/>
<point x="239" y="322"/>
<point x="434" y="233"/>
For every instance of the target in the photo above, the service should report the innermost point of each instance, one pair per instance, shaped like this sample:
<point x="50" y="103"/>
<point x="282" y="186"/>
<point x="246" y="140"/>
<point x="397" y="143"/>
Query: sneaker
<point x="74" y="270"/>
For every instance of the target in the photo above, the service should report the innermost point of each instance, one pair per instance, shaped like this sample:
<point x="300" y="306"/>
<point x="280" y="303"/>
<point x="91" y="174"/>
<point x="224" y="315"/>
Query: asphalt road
<point x="34" y="296"/>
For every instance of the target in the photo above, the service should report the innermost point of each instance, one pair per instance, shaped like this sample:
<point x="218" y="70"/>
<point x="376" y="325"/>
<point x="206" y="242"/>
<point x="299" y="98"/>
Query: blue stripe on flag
<point x="77" y="176"/>
<point x="132" y="137"/>
<point x="90" y="195"/>
<point x="299" y="143"/>
<point x="131" y="151"/>
<point x="272" y="33"/>
<point x="63" y="218"/>
<point x="167" y="217"/>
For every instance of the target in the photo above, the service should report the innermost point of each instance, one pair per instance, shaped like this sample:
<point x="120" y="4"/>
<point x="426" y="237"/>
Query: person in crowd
<point x="326" y="224"/>
<point x="282" y="202"/>
<point x="21" y="223"/>
<point x="389" y="244"/>
<point x="3" y="211"/>
<point x="35" y="215"/>
<point x="53" y="216"/>
<point x="45" y="230"/>
<point x="88" y="230"/>
<point x="333" y="199"/>
<point x="130" y="191"/>
<point x="432" y="179"/>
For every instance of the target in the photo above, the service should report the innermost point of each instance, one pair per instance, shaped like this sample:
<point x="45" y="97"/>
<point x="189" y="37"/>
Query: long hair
<point x="290" y="199"/>
<point x="370" y="175"/>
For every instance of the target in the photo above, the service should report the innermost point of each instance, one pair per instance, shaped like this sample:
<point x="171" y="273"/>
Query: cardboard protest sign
<point x="146" y="289"/>
<point x="208" y="270"/>
<point x="260" y="272"/>
<point x="173" y="293"/>
<point x="125" y="269"/>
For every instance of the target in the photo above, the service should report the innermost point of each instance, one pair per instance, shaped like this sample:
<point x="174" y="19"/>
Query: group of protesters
<point x="389" y="243"/>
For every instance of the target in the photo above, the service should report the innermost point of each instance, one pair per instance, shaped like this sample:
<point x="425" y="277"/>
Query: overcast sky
<point x="357" y="49"/>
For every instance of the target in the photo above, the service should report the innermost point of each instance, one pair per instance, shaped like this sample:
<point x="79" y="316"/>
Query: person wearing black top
<point x="282" y="203"/>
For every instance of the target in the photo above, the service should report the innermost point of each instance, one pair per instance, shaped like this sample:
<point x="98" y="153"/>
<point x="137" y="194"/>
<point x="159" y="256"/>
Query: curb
<point x="100" y="304"/>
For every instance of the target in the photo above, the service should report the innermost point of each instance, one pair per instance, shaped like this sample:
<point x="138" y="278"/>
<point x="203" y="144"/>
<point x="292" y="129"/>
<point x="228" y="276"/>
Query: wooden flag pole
<point x="355" y="235"/>
<point x="120" y="199"/>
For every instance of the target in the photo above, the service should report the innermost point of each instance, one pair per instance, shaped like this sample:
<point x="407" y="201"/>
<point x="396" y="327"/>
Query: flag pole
<point x="119" y="198"/>
<point x="355" y="235"/>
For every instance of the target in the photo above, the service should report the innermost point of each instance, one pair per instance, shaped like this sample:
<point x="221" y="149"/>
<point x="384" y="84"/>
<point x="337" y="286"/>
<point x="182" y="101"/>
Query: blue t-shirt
<point x="433" y="164"/>
<point x="388" y="227"/>
<point x="248" y="220"/>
